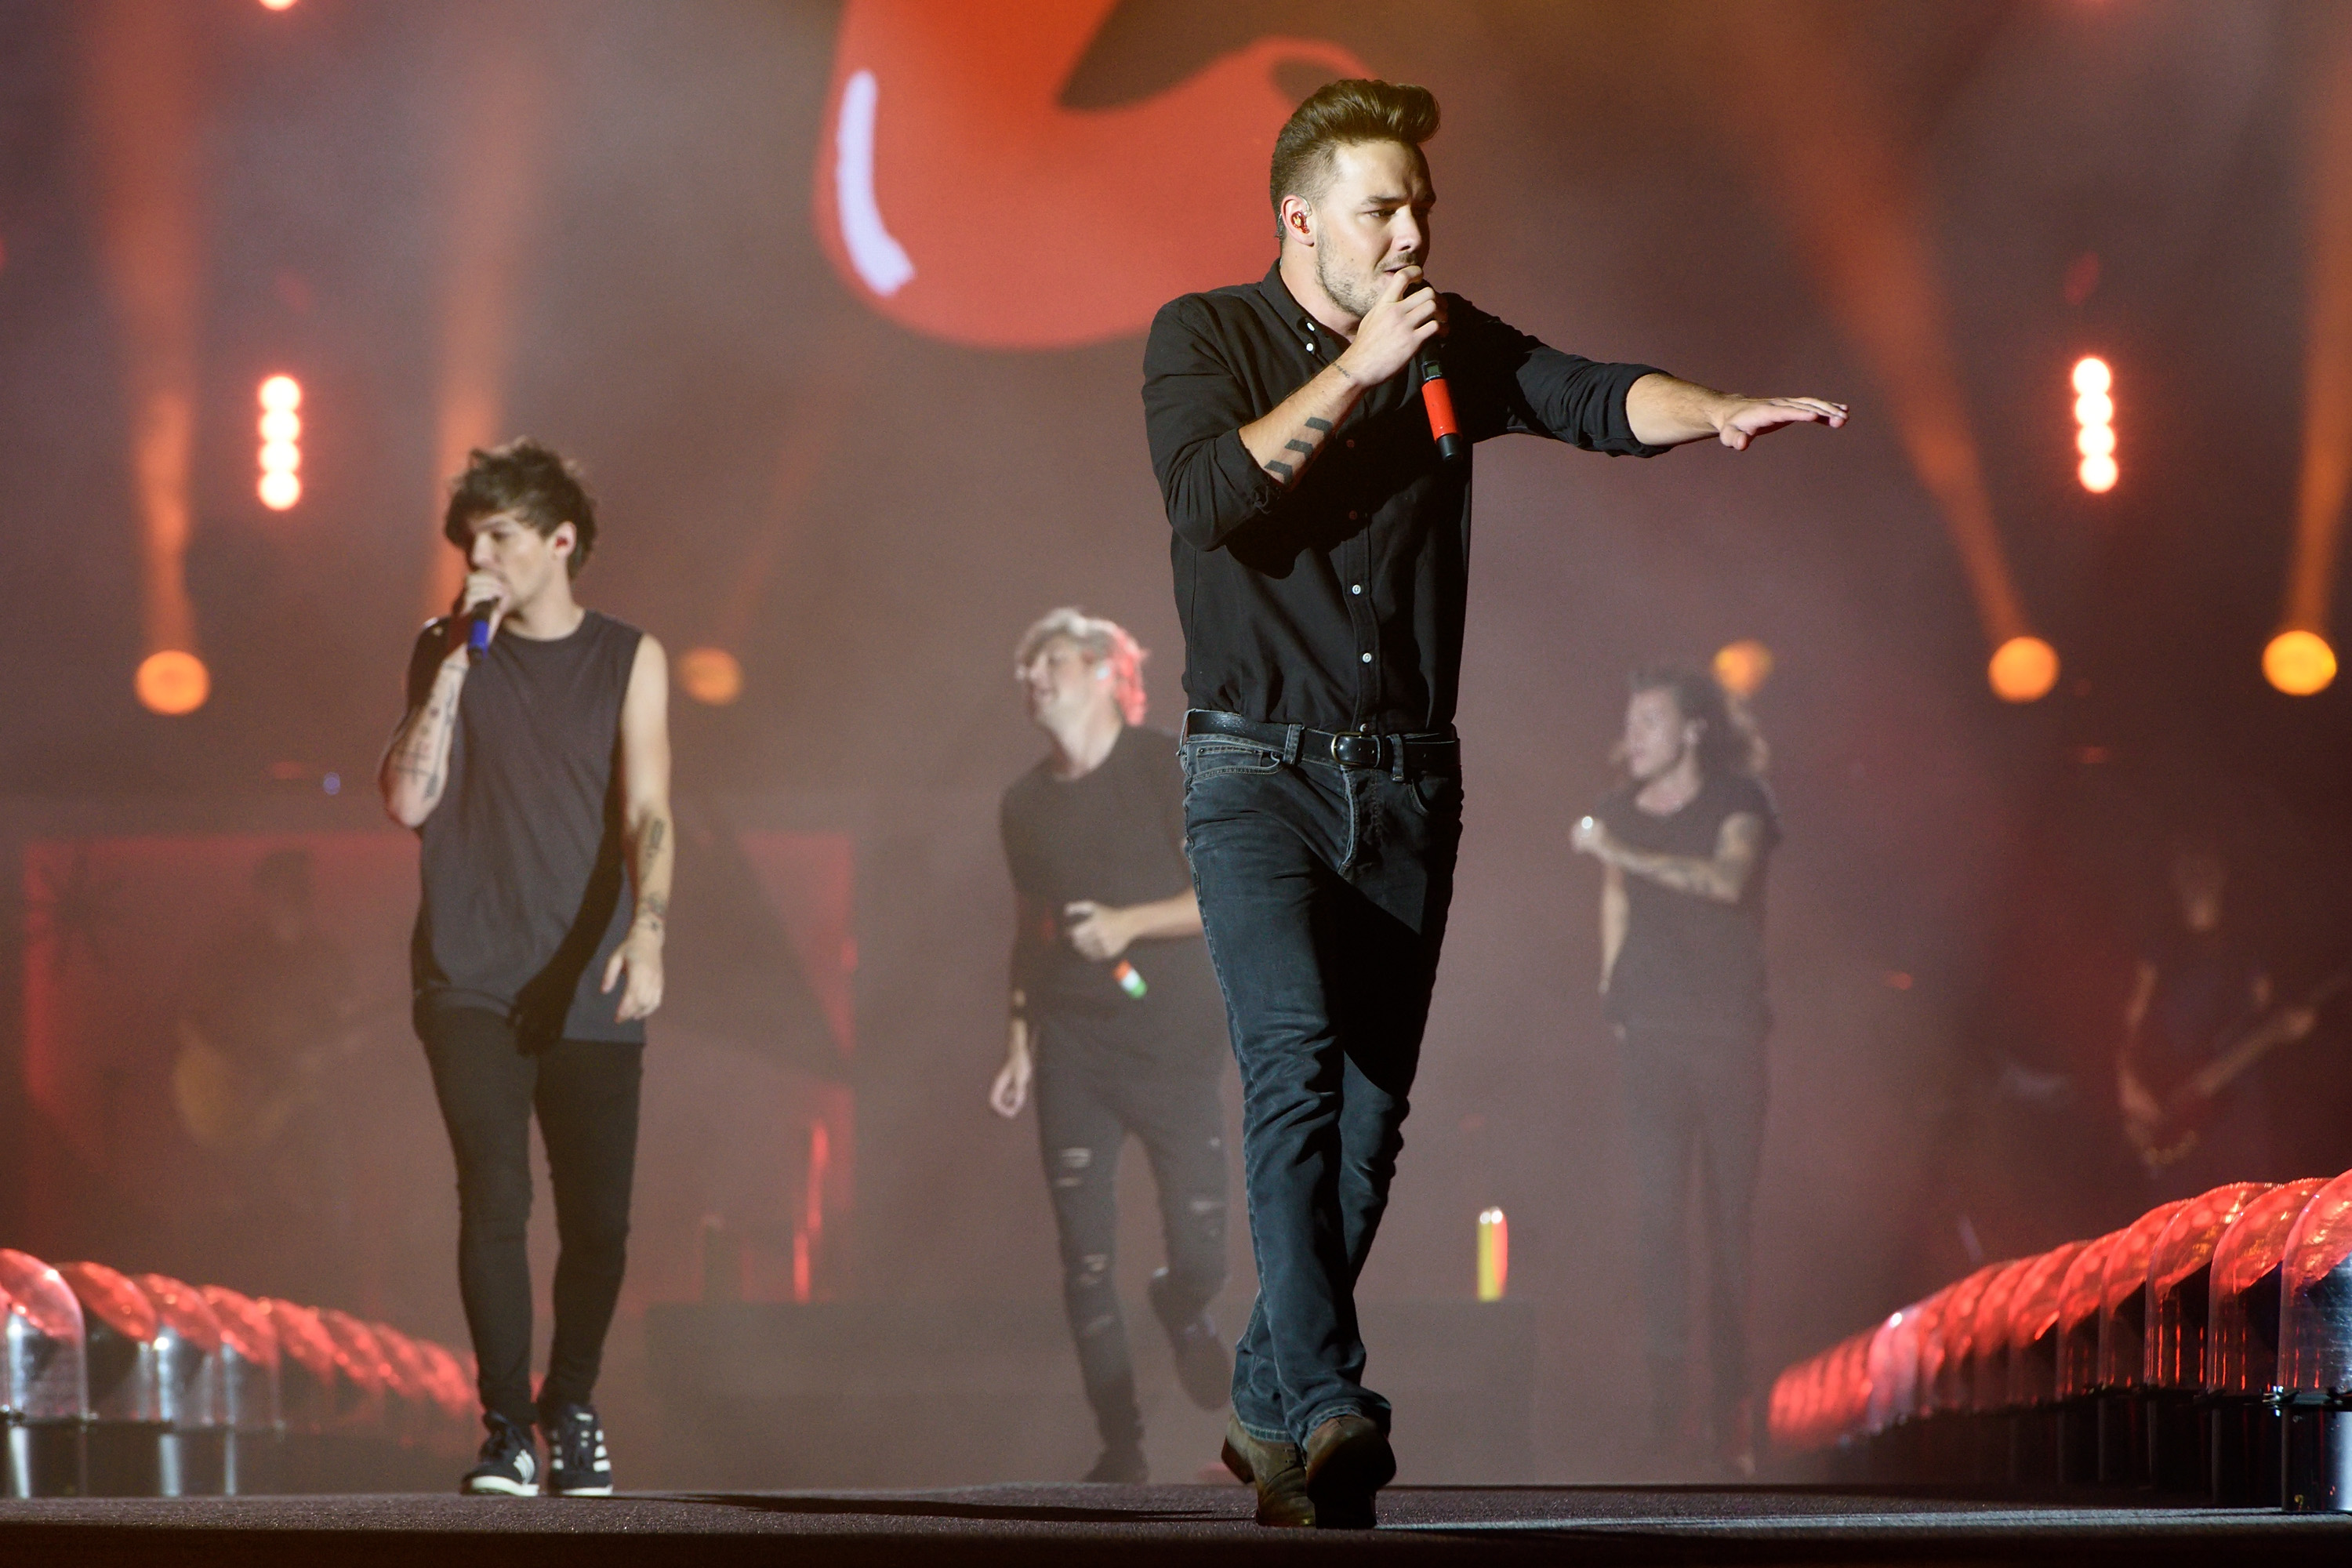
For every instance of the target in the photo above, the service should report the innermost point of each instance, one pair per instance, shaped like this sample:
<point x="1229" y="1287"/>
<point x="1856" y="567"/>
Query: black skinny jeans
<point x="1694" y="1101"/>
<point x="585" y="1094"/>
<point x="1090" y="1098"/>
<point x="1324" y="893"/>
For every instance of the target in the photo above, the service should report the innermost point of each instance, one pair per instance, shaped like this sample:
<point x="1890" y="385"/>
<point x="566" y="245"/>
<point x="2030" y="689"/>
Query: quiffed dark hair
<point x="1728" y="744"/>
<point x="1339" y="114"/>
<point x="527" y="478"/>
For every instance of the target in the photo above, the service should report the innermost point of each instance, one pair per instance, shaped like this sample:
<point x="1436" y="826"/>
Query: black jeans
<point x="1324" y="892"/>
<point x="585" y="1092"/>
<point x="1694" y="1100"/>
<point x="1090" y="1098"/>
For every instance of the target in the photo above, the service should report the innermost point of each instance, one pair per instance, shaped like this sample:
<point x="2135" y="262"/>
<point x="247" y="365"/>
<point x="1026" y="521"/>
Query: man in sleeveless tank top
<point x="1115" y="1014"/>
<point x="533" y="763"/>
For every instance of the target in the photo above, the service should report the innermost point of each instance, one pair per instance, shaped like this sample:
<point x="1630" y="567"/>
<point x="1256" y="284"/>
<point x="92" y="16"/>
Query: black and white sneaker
<point x="509" y="1466"/>
<point x="578" y="1464"/>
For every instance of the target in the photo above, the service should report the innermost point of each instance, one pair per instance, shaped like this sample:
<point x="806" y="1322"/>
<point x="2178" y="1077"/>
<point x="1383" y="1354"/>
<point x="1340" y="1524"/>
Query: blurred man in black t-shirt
<point x="1116" y="1017"/>
<point x="1685" y="842"/>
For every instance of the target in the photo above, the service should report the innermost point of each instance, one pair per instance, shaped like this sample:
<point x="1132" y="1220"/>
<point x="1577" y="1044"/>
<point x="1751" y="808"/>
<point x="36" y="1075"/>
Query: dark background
<point x="1964" y="882"/>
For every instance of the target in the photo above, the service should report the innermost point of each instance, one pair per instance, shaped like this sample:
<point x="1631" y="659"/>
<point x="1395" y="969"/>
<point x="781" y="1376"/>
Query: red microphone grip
<point x="1437" y="399"/>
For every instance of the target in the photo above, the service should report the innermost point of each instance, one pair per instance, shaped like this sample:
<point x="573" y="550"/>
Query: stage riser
<point x="63" y="1459"/>
<point x="2229" y="1452"/>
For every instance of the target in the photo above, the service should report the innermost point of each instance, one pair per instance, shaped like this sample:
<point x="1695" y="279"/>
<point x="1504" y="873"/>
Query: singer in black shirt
<point x="1321" y="552"/>
<point x="1114" y="1013"/>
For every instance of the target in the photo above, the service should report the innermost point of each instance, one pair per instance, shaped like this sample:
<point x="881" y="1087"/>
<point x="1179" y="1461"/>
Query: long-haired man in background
<point x="533" y="763"/>
<point x="1685" y="842"/>
<point x="1321" y="552"/>
<point x="1114" y="1011"/>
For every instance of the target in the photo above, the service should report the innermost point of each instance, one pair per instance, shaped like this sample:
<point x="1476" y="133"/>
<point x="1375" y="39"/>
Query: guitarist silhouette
<point x="2203" y="1013"/>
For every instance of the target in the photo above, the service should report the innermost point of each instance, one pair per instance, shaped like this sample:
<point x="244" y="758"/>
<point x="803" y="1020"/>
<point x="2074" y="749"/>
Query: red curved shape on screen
<point x="957" y="196"/>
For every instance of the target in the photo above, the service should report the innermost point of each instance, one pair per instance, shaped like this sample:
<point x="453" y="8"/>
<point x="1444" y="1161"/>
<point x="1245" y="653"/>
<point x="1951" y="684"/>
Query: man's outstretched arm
<point x="1665" y="412"/>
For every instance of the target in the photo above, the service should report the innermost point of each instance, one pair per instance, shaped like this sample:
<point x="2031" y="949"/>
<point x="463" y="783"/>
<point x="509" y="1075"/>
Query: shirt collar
<point x="1287" y="310"/>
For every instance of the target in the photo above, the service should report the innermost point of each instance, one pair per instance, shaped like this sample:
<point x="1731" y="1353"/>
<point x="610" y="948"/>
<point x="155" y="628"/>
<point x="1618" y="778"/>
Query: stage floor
<point x="1139" y="1525"/>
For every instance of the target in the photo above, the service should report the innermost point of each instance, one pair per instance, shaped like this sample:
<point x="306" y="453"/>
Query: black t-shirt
<point x="1690" y="964"/>
<point x="1114" y="837"/>
<point x="526" y="892"/>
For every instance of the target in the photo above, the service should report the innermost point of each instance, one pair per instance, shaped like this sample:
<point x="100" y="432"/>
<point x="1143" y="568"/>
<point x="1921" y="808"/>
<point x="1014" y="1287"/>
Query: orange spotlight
<point x="2299" y="663"/>
<point x="2094" y="411"/>
<point x="277" y="4"/>
<point x="711" y="674"/>
<point x="281" y="442"/>
<point x="1743" y="666"/>
<point x="2022" y="670"/>
<point x="172" y="682"/>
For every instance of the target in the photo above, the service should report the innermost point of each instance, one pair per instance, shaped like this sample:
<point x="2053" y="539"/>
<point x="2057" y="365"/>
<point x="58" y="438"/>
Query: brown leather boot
<point x="1278" y="1473"/>
<point x="1348" y="1460"/>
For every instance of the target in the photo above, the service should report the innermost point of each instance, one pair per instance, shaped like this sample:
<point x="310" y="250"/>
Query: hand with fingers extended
<point x="1750" y="417"/>
<point x="1410" y="313"/>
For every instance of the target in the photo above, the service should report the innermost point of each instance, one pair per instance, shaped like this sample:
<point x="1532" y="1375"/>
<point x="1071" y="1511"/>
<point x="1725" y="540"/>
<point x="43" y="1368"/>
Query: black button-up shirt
<point x="1338" y="604"/>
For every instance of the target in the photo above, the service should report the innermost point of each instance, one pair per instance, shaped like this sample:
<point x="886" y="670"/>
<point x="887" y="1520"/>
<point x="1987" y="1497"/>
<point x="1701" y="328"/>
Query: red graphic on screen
<point x="957" y="197"/>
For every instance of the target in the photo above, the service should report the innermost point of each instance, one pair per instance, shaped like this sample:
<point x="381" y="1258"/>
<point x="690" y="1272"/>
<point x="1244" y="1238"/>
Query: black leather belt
<point x="1401" y="754"/>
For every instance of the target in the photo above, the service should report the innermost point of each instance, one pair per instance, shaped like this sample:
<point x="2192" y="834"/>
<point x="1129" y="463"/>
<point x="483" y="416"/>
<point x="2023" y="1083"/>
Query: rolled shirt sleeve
<point x="1194" y="405"/>
<point x="1515" y="383"/>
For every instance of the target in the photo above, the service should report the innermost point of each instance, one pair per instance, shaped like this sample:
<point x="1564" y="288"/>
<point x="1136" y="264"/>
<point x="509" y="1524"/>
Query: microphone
<point x="1437" y="400"/>
<point x="478" y="626"/>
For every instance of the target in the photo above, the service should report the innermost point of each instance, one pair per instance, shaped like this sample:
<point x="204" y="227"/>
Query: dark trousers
<point x="1324" y="892"/>
<point x="1693" y="1104"/>
<point x="586" y="1095"/>
<point x="1090" y="1098"/>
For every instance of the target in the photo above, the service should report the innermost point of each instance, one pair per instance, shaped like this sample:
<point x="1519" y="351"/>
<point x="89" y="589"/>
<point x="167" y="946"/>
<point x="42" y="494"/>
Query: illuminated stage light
<point x="1743" y="666"/>
<point x="282" y="438"/>
<point x="2094" y="411"/>
<point x="2299" y="663"/>
<point x="172" y="682"/>
<point x="2022" y="670"/>
<point x="277" y="4"/>
<point x="711" y="674"/>
<point x="1494" y="1255"/>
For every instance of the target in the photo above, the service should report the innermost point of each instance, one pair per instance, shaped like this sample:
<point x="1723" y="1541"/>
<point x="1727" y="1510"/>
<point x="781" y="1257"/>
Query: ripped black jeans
<point x="1090" y="1098"/>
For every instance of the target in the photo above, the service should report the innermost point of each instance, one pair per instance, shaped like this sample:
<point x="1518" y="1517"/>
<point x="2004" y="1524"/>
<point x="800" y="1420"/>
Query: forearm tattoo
<point x="652" y="908"/>
<point x="423" y="752"/>
<point x="1286" y="472"/>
